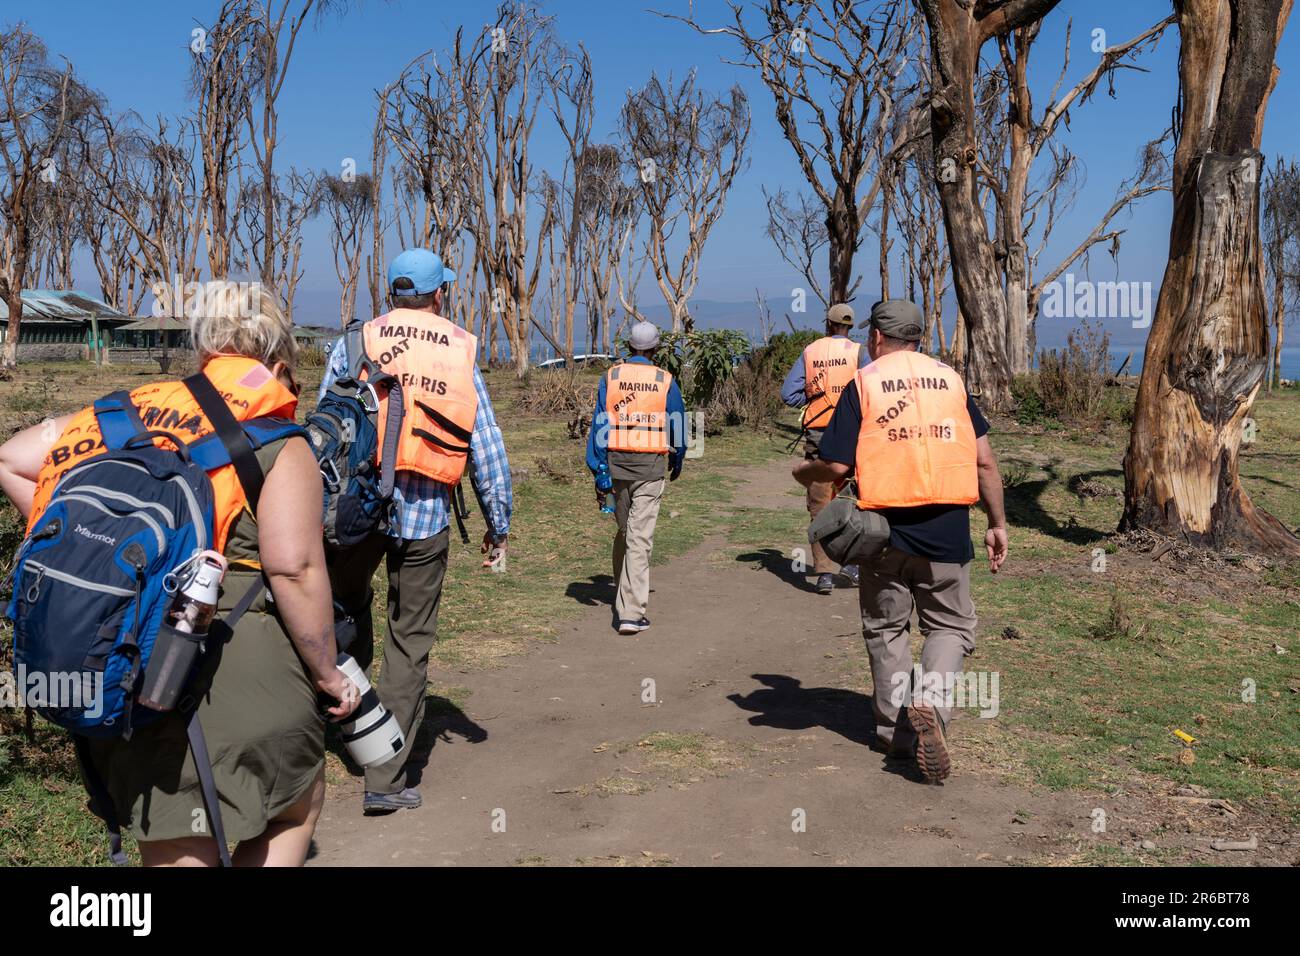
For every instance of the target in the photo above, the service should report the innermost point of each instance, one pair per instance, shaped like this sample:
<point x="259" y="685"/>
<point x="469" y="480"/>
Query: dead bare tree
<point x="296" y="195"/>
<point x="839" y="81"/>
<point x="958" y="30"/>
<point x="1008" y="158"/>
<point x="920" y="221"/>
<point x="799" y="234"/>
<point x="225" y="70"/>
<point x="608" y="207"/>
<point x="572" y="103"/>
<point x="688" y="147"/>
<point x="1282" y="251"/>
<point x="273" y="30"/>
<point x="1207" y="349"/>
<point x="35" y="101"/>
<point x="143" y="183"/>
<point x="499" y="81"/>
<point x="348" y="202"/>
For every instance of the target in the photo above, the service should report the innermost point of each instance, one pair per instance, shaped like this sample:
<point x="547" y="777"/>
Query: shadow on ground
<point x="774" y="562"/>
<point x="786" y="704"/>
<point x="596" y="591"/>
<point x="1024" y="507"/>
<point x="442" y="720"/>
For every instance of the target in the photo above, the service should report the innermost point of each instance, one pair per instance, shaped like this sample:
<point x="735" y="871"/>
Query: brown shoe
<point x="931" y="747"/>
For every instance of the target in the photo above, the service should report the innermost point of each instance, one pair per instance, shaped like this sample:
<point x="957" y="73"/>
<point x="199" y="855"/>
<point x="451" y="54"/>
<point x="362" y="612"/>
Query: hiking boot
<point x="931" y="746"/>
<point x="850" y="573"/>
<point x="825" y="583"/>
<point x="633" y="627"/>
<point x="374" y="804"/>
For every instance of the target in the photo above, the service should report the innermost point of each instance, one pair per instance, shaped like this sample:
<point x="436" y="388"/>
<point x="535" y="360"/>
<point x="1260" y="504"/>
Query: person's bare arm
<point x="293" y="560"/>
<point x="21" y="458"/>
<point x="808" y="471"/>
<point x="990" y="482"/>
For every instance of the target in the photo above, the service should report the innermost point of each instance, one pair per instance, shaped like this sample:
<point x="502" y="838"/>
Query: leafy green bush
<point x="782" y="350"/>
<point x="700" y="360"/>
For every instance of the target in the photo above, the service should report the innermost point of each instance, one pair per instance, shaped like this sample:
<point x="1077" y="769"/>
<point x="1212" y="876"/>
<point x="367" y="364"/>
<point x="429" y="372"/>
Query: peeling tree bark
<point x="1207" y="350"/>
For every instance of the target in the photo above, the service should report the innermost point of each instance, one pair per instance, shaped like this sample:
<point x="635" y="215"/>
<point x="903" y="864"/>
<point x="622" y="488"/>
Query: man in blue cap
<point x="448" y="424"/>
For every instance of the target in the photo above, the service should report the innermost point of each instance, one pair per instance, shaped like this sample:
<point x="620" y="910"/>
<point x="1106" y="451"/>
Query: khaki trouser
<point x="636" y="507"/>
<point x="892" y="585"/>
<point x="415" y="574"/>
<point x="819" y="495"/>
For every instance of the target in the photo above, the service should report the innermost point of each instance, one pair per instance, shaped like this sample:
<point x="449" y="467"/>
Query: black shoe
<point x="633" y="627"/>
<point x="850" y="573"/>
<point x="374" y="804"/>
<point x="825" y="583"/>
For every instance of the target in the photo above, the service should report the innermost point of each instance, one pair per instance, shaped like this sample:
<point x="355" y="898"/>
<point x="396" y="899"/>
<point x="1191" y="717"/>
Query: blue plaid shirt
<point x="423" y="503"/>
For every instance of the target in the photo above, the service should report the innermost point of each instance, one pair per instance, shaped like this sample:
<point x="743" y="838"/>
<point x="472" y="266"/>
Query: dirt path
<point x="558" y="758"/>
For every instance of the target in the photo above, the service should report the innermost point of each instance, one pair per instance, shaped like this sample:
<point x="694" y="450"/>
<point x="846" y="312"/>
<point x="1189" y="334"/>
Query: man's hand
<point x="675" y="472"/>
<point x="338" y="687"/>
<point x="995" y="542"/>
<point x="489" y="544"/>
<point x="600" y="496"/>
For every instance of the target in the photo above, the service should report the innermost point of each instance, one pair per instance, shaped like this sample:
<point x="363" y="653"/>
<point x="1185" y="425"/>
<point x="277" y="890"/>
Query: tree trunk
<point x="1279" y="322"/>
<point x="1207" y="350"/>
<point x="14" y="302"/>
<point x="958" y="29"/>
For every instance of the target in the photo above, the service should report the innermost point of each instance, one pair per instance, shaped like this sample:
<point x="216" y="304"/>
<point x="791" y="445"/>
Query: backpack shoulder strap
<point x="230" y="434"/>
<point x="119" y="419"/>
<point x="354" y="347"/>
<point x="209" y="453"/>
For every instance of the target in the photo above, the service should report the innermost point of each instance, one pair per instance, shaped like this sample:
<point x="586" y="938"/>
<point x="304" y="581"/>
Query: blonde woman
<point x="258" y="693"/>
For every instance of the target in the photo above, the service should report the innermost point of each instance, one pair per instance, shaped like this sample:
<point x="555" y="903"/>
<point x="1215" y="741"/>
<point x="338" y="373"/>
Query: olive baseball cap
<point x="897" y="318"/>
<point x="840" y="314"/>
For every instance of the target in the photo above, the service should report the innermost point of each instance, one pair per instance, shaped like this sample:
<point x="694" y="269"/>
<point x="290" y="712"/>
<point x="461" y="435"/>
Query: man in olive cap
<point x="918" y="449"/>
<point x="637" y="437"/>
<point x="815" y="383"/>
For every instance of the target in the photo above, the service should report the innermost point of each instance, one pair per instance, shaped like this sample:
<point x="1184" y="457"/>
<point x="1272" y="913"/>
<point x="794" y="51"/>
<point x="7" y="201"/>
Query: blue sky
<point x="139" y="61"/>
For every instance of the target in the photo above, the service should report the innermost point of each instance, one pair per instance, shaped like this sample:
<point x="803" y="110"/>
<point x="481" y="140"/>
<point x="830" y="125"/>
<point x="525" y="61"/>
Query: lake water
<point x="1290" y="361"/>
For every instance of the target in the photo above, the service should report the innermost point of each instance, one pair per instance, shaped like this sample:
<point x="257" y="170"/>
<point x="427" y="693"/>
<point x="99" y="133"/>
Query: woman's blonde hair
<point x="242" y="318"/>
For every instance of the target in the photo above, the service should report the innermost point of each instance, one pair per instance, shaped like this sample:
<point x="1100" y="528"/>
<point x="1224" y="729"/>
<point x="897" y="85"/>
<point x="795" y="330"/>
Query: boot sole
<point x="931" y="748"/>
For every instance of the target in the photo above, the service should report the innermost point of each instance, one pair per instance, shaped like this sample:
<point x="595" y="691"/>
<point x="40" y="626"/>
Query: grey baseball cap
<point x="841" y="313"/>
<point x="645" y="335"/>
<point x="897" y="318"/>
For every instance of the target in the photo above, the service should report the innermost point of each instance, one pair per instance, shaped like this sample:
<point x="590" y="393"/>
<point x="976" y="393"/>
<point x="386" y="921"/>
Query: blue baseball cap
<point x="423" y="268"/>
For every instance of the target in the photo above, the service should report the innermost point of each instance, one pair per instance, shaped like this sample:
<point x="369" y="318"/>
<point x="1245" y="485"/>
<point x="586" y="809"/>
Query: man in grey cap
<point x="638" y="435"/>
<point x="815" y="383"/>
<point x="918" y="449"/>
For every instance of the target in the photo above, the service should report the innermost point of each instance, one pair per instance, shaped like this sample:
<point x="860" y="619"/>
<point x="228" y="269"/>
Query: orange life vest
<point x="916" y="444"/>
<point x="636" y="401"/>
<point x="433" y="360"/>
<point x="829" y="365"/>
<point x="249" y="389"/>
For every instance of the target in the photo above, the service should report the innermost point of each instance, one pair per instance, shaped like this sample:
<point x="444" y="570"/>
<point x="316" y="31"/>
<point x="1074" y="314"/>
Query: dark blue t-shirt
<point x="934" y="532"/>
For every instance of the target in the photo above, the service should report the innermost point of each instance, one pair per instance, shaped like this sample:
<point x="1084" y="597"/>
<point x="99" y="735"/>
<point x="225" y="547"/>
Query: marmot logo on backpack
<point x="91" y="535"/>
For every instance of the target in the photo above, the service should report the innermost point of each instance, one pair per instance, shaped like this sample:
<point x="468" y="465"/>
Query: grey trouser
<point x="415" y="574"/>
<point x="636" y="506"/>
<point x="892" y="585"/>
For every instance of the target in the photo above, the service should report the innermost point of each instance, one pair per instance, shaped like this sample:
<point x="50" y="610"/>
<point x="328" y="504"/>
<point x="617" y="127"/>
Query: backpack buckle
<point x="330" y="472"/>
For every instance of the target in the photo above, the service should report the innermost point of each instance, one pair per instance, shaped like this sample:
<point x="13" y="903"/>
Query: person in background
<point x="920" y="452"/>
<point x="638" y="435"/>
<point x="816" y="382"/>
<point x="259" y="713"/>
<point x="449" y="423"/>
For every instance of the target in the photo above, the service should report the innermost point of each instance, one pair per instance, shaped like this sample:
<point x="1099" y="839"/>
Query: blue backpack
<point x="344" y="436"/>
<point x="98" y="571"/>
